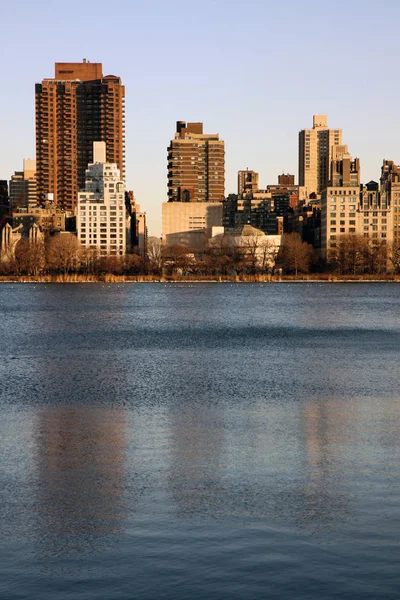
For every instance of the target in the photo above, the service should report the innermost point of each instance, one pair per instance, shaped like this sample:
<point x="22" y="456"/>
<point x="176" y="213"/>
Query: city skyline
<point x="259" y="121"/>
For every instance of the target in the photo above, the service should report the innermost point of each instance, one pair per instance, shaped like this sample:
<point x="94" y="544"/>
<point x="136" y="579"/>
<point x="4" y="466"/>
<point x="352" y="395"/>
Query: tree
<point x="294" y="255"/>
<point x="133" y="264"/>
<point x="394" y="255"/>
<point x="89" y="260"/>
<point x="348" y="256"/>
<point x="154" y="255"/>
<point x="63" y="252"/>
<point x="178" y="258"/>
<point x="376" y="257"/>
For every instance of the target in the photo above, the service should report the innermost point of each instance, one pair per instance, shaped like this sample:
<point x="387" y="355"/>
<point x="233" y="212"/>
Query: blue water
<point x="206" y="441"/>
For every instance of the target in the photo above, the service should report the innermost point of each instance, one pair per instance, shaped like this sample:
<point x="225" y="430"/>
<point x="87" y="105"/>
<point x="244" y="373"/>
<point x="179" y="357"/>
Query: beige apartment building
<point x="247" y="182"/>
<point x="390" y="191"/>
<point x="376" y="215"/>
<point x="347" y="210"/>
<point x="196" y="165"/>
<point x="315" y="154"/>
<point x="74" y="109"/>
<point x="190" y="223"/>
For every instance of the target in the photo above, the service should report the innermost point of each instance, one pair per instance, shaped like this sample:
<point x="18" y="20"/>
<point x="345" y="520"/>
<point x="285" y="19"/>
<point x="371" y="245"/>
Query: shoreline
<point x="112" y="279"/>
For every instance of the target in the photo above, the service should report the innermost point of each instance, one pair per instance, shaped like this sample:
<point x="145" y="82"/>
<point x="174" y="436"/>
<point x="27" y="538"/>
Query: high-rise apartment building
<point x="101" y="211"/>
<point x="74" y="109"/>
<point x="247" y="182"/>
<point x="196" y="165"/>
<point x="23" y="189"/>
<point x="315" y="154"/>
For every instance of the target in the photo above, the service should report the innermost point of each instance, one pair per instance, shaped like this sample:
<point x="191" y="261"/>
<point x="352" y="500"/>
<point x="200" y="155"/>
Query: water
<point x="199" y="441"/>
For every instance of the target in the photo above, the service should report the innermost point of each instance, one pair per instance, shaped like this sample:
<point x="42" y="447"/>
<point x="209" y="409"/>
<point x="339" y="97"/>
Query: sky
<point x="255" y="72"/>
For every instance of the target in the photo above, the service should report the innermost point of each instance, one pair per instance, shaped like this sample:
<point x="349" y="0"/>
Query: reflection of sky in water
<point x="138" y="421"/>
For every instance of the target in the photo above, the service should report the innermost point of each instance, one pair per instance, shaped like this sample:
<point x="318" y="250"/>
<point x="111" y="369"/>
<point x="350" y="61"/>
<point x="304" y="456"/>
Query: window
<point x="342" y="215"/>
<point x="352" y="222"/>
<point x="343" y="222"/>
<point x="333" y="230"/>
<point x="333" y="215"/>
<point x="342" y="230"/>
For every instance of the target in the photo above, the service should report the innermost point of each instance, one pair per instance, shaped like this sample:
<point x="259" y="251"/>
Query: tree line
<point x="62" y="254"/>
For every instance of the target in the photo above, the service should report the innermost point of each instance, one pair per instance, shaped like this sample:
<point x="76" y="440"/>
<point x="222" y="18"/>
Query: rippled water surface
<point x="207" y="441"/>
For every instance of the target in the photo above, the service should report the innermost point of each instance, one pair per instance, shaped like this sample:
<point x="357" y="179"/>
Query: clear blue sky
<point x="255" y="72"/>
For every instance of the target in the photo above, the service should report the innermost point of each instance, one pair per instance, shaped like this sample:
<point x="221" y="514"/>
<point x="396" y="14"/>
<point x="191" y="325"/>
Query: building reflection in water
<point x="227" y="465"/>
<point x="196" y="469"/>
<point x="326" y="425"/>
<point x="80" y="454"/>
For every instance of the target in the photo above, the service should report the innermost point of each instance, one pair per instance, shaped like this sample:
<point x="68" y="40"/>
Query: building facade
<point x="190" y="223"/>
<point x="23" y="188"/>
<point x="339" y="207"/>
<point x="286" y="179"/>
<point x="101" y="210"/>
<point x="196" y="165"/>
<point x="74" y="109"/>
<point x="255" y="209"/>
<point x="315" y="154"/>
<point x="390" y="190"/>
<point x="247" y="182"/>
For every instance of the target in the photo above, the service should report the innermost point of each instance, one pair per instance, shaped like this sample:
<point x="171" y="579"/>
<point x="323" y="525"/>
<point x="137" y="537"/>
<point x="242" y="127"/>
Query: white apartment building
<point x="100" y="222"/>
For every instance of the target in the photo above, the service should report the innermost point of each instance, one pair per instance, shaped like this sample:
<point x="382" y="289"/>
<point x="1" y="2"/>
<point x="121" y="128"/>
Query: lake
<point x="200" y="441"/>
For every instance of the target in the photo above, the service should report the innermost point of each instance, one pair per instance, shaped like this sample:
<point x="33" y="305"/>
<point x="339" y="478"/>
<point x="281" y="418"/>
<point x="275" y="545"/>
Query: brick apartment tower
<point x="196" y="165"/>
<point x="73" y="110"/>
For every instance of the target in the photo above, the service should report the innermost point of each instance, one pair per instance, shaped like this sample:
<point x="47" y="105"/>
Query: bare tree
<point x="294" y="255"/>
<point x="394" y="255"/>
<point x="376" y="257"/>
<point x="154" y="255"/>
<point x="349" y="254"/>
<point x="89" y="260"/>
<point x="63" y="253"/>
<point x="133" y="264"/>
<point x="178" y="258"/>
<point x="36" y="257"/>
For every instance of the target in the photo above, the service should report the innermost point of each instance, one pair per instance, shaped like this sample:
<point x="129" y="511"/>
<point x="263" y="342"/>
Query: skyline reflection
<point x="80" y="454"/>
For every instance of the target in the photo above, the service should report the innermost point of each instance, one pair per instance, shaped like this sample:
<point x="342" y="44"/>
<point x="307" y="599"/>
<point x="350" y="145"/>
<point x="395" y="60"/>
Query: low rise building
<point x="256" y="245"/>
<point x="190" y="223"/>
